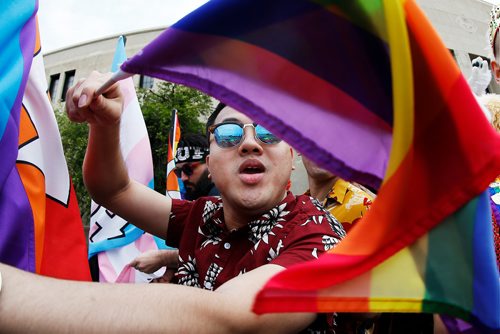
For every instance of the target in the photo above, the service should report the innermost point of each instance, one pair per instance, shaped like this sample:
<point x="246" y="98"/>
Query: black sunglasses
<point x="187" y="169"/>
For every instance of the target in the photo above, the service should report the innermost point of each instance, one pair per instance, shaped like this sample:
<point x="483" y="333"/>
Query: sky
<point x="67" y="22"/>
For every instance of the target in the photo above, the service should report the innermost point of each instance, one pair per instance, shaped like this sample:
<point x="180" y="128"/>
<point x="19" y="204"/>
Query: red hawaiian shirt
<point x="296" y="230"/>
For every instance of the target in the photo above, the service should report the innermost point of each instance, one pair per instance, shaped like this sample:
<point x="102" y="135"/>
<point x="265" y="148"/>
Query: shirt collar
<point x="338" y="191"/>
<point x="216" y="224"/>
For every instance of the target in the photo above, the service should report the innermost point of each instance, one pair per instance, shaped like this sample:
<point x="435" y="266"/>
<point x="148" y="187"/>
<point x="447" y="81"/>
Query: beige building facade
<point x="462" y="25"/>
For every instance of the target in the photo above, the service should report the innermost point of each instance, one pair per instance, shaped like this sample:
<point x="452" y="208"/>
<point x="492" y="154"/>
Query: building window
<point x="69" y="77"/>
<point x="453" y="54"/>
<point x="54" y="83"/>
<point x="146" y="82"/>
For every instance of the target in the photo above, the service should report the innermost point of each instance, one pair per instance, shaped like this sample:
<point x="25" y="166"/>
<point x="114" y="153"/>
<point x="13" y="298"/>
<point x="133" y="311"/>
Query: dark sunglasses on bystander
<point x="187" y="169"/>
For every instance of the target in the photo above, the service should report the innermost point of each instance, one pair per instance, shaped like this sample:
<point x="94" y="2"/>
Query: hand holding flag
<point x="85" y="101"/>
<point x="113" y="239"/>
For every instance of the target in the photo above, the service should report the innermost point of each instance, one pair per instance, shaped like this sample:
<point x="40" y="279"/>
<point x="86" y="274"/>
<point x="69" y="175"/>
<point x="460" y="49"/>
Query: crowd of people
<point x="237" y="227"/>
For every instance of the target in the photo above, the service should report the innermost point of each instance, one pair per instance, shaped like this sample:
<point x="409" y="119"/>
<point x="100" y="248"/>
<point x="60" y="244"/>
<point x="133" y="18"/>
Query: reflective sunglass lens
<point x="265" y="136"/>
<point x="228" y="135"/>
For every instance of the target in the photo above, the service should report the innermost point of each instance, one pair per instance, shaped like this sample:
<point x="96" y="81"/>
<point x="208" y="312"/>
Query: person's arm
<point x="242" y="291"/>
<point x="104" y="171"/>
<point x="150" y="261"/>
<point x="30" y="303"/>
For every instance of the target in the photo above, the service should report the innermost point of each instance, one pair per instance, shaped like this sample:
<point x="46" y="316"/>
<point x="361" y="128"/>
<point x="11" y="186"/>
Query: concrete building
<point x="65" y="66"/>
<point x="462" y="24"/>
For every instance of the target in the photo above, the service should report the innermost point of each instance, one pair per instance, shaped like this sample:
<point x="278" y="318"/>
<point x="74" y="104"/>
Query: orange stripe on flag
<point x="34" y="184"/>
<point x="27" y="131"/>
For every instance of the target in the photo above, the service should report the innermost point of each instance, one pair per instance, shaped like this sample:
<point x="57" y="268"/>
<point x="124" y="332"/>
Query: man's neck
<point x="319" y="189"/>
<point x="236" y="218"/>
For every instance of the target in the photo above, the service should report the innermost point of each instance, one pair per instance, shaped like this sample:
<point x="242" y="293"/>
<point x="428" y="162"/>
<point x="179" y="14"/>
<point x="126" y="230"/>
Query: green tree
<point x="74" y="139"/>
<point x="156" y="105"/>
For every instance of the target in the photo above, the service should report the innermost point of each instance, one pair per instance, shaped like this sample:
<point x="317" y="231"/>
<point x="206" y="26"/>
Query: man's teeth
<point x="252" y="170"/>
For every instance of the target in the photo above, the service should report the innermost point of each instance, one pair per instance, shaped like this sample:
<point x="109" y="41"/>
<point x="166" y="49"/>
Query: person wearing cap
<point x="193" y="171"/>
<point x="191" y="167"/>
<point x="229" y="246"/>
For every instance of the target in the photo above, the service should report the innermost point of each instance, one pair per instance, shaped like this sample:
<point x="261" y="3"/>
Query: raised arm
<point x="104" y="171"/>
<point x="30" y="303"/>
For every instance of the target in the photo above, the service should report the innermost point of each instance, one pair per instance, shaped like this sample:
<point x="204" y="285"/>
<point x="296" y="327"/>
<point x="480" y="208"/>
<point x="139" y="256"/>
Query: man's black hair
<point x="212" y="118"/>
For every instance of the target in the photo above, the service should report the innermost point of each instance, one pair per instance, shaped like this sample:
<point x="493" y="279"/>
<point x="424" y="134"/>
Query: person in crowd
<point x="347" y="201"/>
<point x="491" y="107"/>
<point x="192" y="169"/>
<point x="230" y="244"/>
<point x="490" y="103"/>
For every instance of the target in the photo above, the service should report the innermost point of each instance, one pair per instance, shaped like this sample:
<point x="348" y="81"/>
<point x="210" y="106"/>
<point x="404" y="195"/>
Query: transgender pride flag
<point x="113" y="239"/>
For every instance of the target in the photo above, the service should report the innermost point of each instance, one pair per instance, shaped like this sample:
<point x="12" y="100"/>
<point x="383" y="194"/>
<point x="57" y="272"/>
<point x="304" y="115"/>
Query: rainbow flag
<point x="172" y="187"/>
<point x="375" y="72"/>
<point x="113" y="239"/>
<point x="41" y="230"/>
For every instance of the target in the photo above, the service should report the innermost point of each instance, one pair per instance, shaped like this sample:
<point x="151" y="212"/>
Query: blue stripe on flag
<point x="17" y="13"/>
<point x="120" y="55"/>
<point x="486" y="291"/>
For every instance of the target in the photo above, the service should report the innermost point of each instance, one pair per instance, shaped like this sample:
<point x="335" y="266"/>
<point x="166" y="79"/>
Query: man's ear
<point x="207" y="162"/>
<point x="495" y="68"/>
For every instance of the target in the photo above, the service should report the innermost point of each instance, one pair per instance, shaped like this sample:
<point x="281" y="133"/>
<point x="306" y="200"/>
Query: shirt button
<point x="227" y="245"/>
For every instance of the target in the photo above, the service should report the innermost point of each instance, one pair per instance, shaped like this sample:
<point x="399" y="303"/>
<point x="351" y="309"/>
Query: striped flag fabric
<point x="172" y="187"/>
<point x="111" y="238"/>
<point x="18" y="39"/>
<point x="41" y="230"/>
<point x="375" y="72"/>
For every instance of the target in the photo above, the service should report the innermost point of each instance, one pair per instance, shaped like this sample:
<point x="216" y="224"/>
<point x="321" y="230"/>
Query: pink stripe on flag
<point x="139" y="162"/>
<point x="146" y="243"/>
<point x="127" y="275"/>
<point x="128" y="91"/>
<point x="106" y="271"/>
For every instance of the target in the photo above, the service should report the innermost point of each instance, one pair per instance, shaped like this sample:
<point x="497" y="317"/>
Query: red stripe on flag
<point x="65" y="251"/>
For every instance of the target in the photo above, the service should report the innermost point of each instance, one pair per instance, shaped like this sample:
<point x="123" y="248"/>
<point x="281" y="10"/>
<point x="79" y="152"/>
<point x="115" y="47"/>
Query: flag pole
<point x="117" y="76"/>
